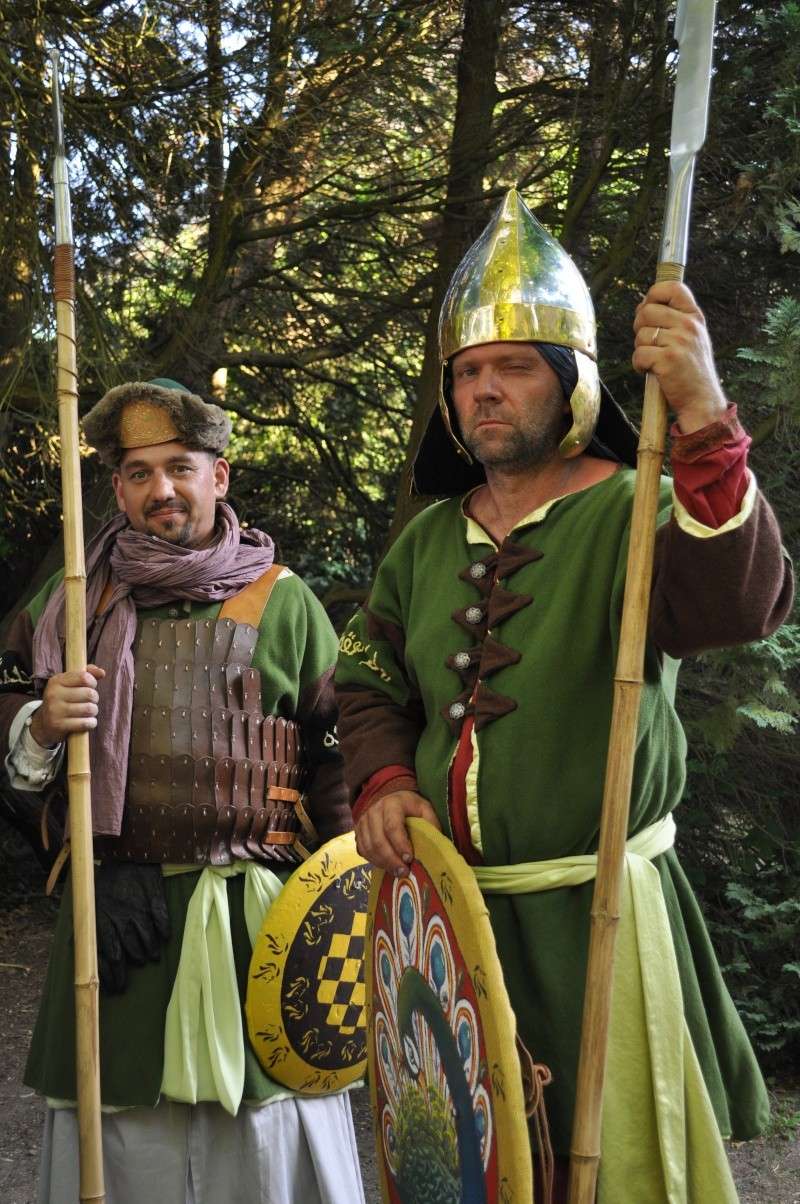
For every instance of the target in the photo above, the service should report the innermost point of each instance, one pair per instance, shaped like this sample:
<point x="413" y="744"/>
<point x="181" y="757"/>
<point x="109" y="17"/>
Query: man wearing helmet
<point x="475" y="686"/>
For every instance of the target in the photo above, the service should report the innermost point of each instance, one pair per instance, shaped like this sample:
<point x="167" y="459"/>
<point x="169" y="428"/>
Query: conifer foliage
<point x="269" y="199"/>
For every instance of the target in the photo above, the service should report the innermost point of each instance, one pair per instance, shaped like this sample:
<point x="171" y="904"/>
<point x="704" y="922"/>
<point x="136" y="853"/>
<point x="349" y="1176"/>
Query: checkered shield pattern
<point x="340" y="978"/>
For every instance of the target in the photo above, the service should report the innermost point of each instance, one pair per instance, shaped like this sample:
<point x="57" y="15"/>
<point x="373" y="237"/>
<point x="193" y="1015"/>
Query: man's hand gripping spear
<point x="78" y="776"/>
<point x="694" y="31"/>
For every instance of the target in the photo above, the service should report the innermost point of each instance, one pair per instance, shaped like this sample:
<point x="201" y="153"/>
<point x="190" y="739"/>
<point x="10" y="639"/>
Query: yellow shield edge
<point x="469" y="917"/>
<point x="301" y="1065"/>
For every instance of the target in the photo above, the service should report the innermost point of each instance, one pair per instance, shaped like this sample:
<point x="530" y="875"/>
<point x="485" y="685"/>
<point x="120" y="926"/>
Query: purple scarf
<point x="144" y="571"/>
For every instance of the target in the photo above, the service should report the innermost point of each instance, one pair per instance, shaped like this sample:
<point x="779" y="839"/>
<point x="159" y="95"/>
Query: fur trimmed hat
<point x="143" y="413"/>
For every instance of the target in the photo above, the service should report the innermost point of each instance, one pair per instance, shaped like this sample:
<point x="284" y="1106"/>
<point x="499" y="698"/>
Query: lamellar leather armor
<point x="211" y="778"/>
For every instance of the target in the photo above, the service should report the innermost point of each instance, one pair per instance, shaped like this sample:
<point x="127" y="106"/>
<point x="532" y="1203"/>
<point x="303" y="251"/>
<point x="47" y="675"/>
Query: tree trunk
<point x="463" y="212"/>
<point x="215" y="117"/>
<point x="19" y="234"/>
<point x="646" y="207"/>
<point x="601" y="111"/>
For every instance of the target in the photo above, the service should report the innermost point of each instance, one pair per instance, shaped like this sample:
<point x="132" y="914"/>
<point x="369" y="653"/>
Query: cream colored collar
<point x="476" y="533"/>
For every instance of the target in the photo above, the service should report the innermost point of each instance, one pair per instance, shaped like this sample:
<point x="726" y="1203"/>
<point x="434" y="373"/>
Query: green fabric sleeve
<point x="381" y="714"/>
<point x="40" y="600"/>
<point x="295" y="655"/>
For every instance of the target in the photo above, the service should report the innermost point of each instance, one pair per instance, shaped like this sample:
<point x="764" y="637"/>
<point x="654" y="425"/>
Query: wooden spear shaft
<point x="628" y="680"/>
<point x="694" y="33"/>
<point x="87" y="1046"/>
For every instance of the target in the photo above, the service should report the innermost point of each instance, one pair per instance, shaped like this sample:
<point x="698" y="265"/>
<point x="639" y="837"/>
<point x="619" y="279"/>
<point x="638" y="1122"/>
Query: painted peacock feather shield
<point x="445" y="1079"/>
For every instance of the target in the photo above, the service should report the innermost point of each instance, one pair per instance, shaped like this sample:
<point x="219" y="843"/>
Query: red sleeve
<point x="710" y="469"/>
<point x="384" y="781"/>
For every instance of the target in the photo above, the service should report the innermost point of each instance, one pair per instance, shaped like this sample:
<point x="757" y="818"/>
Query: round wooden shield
<point x="306" y="998"/>
<point x="444" y="1074"/>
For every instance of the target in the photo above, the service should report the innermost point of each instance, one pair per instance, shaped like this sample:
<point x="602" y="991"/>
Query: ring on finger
<point x="654" y="340"/>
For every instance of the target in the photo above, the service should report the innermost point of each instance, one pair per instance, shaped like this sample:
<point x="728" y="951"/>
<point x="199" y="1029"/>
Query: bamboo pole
<point x="628" y="681"/>
<point x="87" y="1047"/>
<point x="694" y="33"/>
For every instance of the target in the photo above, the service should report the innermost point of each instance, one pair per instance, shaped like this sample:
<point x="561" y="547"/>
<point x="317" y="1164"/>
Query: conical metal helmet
<point x="517" y="284"/>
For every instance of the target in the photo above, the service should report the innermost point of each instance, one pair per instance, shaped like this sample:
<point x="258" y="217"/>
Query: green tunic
<point x="542" y="664"/>
<point x="294" y="654"/>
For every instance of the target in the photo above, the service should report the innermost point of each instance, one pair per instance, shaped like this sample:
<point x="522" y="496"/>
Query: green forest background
<point x="269" y="198"/>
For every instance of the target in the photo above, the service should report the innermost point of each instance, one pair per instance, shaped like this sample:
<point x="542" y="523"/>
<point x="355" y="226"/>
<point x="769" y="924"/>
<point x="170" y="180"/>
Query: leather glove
<point x="132" y="920"/>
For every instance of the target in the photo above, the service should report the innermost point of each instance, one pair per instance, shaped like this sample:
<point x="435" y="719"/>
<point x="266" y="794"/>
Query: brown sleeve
<point x="16" y="685"/>
<point x="374" y="732"/>
<point x="327" y="794"/>
<point x="727" y="589"/>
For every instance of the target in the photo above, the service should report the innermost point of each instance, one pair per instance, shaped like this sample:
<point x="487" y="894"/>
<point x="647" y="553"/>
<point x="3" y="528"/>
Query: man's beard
<point x="171" y="531"/>
<point x="528" y="445"/>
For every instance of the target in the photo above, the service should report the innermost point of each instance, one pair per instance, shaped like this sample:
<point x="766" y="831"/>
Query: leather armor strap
<point x="211" y="778"/>
<point x="283" y="793"/>
<point x="250" y="603"/>
<point x="245" y="607"/>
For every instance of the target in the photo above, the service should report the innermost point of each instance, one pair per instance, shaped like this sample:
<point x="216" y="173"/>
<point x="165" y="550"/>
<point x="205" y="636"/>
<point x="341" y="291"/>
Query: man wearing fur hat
<point x="208" y="661"/>
<point x="484" y="703"/>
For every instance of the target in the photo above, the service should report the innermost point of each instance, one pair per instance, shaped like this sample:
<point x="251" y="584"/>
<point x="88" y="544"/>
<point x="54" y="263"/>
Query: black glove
<point x="132" y="920"/>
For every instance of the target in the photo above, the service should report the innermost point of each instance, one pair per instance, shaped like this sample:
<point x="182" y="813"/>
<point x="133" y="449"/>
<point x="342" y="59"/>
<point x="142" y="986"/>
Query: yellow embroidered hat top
<point x="141" y="424"/>
<point x="143" y="413"/>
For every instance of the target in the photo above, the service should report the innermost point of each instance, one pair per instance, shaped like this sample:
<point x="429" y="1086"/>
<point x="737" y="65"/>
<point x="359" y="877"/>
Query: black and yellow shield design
<point x="306" y="999"/>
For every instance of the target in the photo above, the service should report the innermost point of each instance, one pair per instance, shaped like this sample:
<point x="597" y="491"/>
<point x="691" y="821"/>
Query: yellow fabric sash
<point x="660" y="1140"/>
<point x="203" y="1046"/>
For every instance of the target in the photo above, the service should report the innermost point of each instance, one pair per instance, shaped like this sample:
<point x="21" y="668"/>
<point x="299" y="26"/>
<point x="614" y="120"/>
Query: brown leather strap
<point x="250" y="603"/>
<point x="283" y="794"/>
<point x="305" y="821"/>
<point x="58" y="865"/>
<point x="44" y="830"/>
<point x="300" y="848"/>
<point x="535" y="1077"/>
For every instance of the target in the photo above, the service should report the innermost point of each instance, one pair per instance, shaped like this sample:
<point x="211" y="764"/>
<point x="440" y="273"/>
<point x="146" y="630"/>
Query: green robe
<point x="540" y="743"/>
<point x="294" y="654"/>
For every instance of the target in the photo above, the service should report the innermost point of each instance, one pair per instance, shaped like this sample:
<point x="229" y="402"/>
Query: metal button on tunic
<point x="457" y="710"/>
<point x="473" y="614"/>
<point x="478" y="570"/>
<point x="461" y="660"/>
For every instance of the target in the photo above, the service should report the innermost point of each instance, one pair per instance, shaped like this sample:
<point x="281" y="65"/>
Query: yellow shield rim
<point x="450" y="876"/>
<point x="306" y="1006"/>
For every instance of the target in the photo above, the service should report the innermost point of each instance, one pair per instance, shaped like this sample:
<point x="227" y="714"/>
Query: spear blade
<point x="694" y="33"/>
<point x="63" y="211"/>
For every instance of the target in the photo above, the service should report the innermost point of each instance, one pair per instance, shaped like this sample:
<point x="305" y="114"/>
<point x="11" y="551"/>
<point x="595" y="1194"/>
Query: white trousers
<point x="295" y="1151"/>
